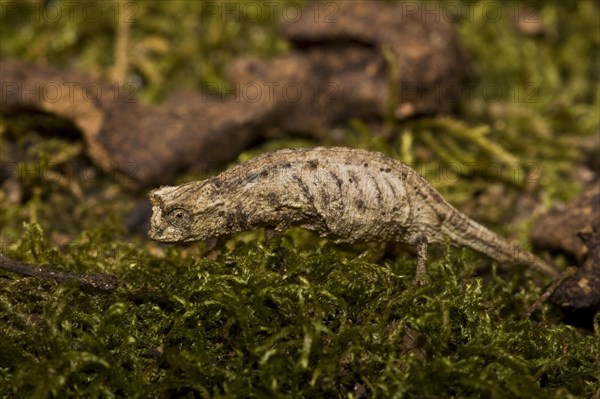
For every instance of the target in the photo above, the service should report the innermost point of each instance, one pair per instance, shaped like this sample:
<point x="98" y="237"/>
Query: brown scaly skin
<point x="348" y="194"/>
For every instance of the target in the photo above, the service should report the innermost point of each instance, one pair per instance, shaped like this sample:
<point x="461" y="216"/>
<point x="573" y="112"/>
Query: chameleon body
<point x="348" y="194"/>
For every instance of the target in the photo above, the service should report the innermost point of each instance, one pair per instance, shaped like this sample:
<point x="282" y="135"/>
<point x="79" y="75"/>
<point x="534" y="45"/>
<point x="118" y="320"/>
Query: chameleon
<point x="349" y="195"/>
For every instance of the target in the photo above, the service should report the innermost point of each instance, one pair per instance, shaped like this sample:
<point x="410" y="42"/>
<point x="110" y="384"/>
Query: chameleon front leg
<point x="272" y="233"/>
<point x="212" y="247"/>
<point x="421" y="274"/>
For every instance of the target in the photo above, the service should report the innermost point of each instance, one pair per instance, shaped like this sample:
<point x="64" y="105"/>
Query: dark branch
<point x="104" y="282"/>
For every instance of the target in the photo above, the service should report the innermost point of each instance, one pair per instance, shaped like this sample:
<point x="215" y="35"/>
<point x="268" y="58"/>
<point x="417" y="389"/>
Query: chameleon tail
<point x="469" y="233"/>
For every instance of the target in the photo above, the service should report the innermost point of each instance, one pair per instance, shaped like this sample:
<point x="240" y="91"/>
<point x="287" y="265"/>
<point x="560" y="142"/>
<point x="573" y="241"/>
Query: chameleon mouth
<point x="155" y="232"/>
<point x="158" y="226"/>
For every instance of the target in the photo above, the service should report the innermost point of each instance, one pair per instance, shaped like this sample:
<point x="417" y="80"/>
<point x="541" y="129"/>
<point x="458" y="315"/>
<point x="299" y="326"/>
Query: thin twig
<point x="104" y="282"/>
<point x="121" y="65"/>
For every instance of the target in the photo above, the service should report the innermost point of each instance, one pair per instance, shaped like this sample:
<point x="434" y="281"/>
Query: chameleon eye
<point x="179" y="217"/>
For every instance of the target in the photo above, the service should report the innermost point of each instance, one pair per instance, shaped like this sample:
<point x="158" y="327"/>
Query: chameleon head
<point x="189" y="212"/>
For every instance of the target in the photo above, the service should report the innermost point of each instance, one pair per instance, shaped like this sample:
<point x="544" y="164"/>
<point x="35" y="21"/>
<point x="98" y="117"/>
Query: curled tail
<point x="466" y="232"/>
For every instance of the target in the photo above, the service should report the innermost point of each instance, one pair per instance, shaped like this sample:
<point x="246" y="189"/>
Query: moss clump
<point x="275" y="320"/>
<point x="298" y="317"/>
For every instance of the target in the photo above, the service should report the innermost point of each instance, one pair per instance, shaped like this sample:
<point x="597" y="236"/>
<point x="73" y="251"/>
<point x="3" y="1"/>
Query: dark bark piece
<point x="428" y="63"/>
<point x="145" y="144"/>
<point x="341" y="70"/>
<point x="310" y="91"/>
<point x="576" y="231"/>
<point x="558" y="230"/>
<point x="583" y="289"/>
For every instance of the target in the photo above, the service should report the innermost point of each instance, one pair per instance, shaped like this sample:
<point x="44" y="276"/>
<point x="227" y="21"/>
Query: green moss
<point x="266" y="320"/>
<point x="299" y="316"/>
